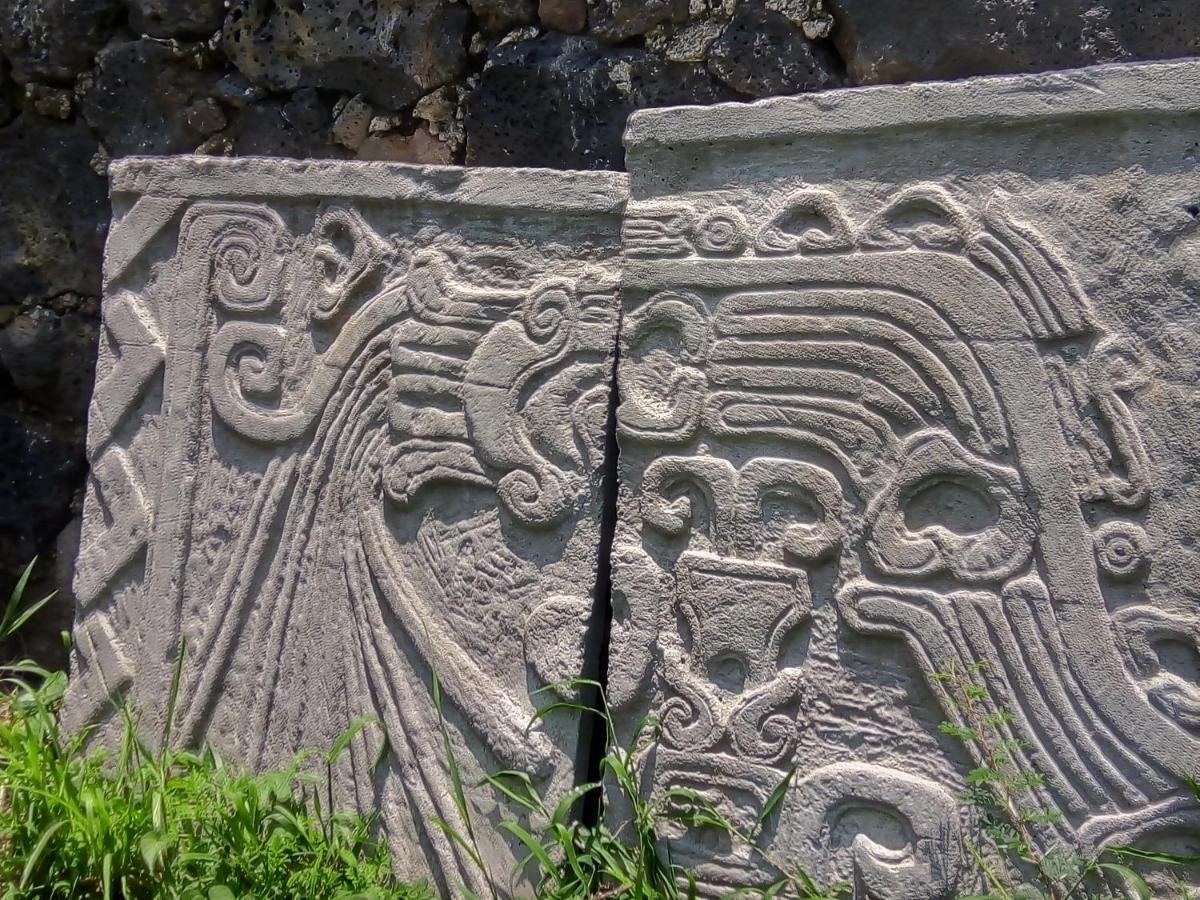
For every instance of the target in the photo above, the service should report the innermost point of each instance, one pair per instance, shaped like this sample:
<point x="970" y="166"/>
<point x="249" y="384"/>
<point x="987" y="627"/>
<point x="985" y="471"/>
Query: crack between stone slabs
<point x="592" y="732"/>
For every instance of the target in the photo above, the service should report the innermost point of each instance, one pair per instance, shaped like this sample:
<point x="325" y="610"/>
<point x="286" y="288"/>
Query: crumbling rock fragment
<point x="497" y="16"/>
<point x="176" y="18"/>
<point x="51" y="102"/>
<point x="567" y="16"/>
<point x="613" y="21"/>
<point x="420" y="147"/>
<point x="298" y="126"/>
<point x="351" y="122"/>
<point x="909" y="40"/>
<point x="148" y="98"/>
<point x="55" y="40"/>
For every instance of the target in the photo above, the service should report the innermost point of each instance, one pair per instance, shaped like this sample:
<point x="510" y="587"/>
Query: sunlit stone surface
<point x="908" y="383"/>
<point x="348" y="432"/>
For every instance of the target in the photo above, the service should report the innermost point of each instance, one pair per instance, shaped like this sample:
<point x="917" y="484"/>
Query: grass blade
<point x="460" y="796"/>
<point x="39" y="848"/>
<point x="570" y="798"/>
<point x="451" y="832"/>
<point x="173" y="697"/>
<point x="15" y="625"/>
<point x="14" y="600"/>
<point x="773" y="801"/>
<point x="531" y="844"/>
<point x="1131" y="878"/>
<point x="344" y="739"/>
<point x="529" y="800"/>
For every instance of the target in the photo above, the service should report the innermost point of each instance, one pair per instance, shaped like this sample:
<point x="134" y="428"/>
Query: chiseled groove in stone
<point x="350" y="428"/>
<point x="902" y="391"/>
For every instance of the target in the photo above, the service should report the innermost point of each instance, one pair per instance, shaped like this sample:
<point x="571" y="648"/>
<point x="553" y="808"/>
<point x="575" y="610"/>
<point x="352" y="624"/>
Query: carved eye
<point x="959" y="503"/>
<point x="924" y="223"/>
<point x="948" y="511"/>
<point x="880" y="831"/>
<point x="924" y="216"/>
<point x="807" y="220"/>
<point x="1164" y="648"/>
<point x="787" y="510"/>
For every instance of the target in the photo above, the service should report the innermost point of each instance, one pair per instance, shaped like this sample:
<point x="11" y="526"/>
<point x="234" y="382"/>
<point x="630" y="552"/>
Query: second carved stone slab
<point x="908" y="388"/>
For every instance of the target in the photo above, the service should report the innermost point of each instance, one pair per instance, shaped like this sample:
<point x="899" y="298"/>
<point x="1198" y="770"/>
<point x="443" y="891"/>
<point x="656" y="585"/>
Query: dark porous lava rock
<point x="561" y="102"/>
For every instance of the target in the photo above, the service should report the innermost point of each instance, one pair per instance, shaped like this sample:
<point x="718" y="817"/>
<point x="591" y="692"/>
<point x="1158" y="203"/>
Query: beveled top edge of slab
<point x="1163" y="87"/>
<point x="258" y="176"/>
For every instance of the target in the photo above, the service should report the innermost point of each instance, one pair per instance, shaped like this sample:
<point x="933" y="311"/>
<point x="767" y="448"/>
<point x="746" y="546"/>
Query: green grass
<point x="134" y="823"/>
<point x="569" y="860"/>
<point x="1002" y="795"/>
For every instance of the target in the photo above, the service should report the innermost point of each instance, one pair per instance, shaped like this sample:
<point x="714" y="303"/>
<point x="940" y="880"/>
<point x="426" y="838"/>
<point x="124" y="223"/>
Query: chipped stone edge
<point x="1131" y="88"/>
<point x="272" y="177"/>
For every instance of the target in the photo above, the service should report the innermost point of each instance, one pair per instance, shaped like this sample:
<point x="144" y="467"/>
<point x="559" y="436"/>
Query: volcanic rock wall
<point x="485" y="82"/>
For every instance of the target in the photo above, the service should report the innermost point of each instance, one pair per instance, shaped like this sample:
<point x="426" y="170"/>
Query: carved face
<point x="881" y="423"/>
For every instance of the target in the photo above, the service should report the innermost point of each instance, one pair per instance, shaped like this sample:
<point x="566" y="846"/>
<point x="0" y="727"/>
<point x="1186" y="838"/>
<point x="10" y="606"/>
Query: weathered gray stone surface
<point x="909" y="382"/>
<point x="348" y="434"/>
<point x="270" y="78"/>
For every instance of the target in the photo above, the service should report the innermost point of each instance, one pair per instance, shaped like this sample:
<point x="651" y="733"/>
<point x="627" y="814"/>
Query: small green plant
<point x="136" y="823"/>
<point x="1003" y="795"/>
<point x="572" y="860"/>
<point x="13" y="616"/>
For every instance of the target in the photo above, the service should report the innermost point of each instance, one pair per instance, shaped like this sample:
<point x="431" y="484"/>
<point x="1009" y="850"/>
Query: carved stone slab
<point x="909" y="382"/>
<point x="348" y="432"/>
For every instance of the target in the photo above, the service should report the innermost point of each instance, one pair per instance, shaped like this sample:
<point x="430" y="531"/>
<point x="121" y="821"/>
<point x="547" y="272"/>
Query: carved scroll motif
<point x="453" y="343"/>
<point x="342" y="451"/>
<point x="931" y="447"/>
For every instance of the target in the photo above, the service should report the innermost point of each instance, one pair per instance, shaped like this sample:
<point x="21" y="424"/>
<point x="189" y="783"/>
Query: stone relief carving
<point x="915" y="412"/>
<point x="342" y="448"/>
<point x="906" y="412"/>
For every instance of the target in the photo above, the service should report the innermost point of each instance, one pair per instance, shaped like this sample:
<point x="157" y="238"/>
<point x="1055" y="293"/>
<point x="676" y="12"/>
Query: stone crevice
<point x="593" y="742"/>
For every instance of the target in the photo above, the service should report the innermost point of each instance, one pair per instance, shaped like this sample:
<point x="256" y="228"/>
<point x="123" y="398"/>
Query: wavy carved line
<point x="836" y="383"/>
<point x="1040" y="650"/>
<point x="984" y="634"/>
<point x="301" y="525"/>
<point x="907" y="312"/>
<point x="932" y="382"/>
<point x="429" y="794"/>
<point x="1043" y="706"/>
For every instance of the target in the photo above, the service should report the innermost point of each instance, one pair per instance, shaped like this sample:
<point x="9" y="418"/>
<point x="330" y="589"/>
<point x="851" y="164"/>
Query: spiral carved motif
<point x="246" y="262"/>
<point x="549" y="313"/>
<point x="721" y="232"/>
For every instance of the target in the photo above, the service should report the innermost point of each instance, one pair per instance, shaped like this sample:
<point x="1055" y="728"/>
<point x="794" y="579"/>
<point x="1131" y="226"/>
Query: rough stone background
<point x="480" y="82"/>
